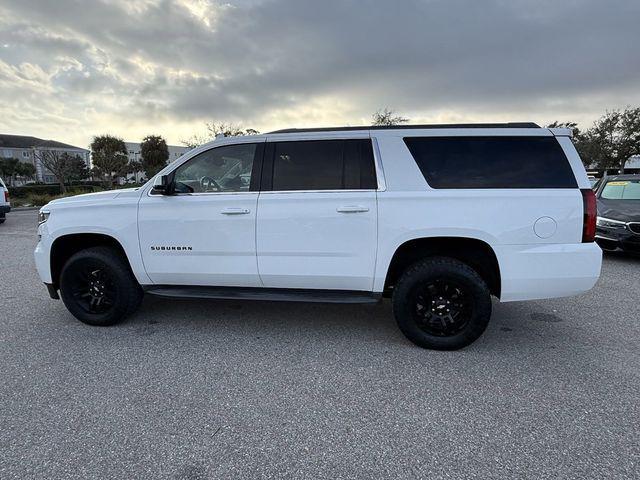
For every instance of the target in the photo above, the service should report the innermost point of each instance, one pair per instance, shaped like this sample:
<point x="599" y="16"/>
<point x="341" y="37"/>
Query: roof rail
<point x="406" y="127"/>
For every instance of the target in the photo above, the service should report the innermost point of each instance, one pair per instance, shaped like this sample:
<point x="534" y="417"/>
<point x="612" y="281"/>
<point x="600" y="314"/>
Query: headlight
<point x="43" y="216"/>
<point x="610" y="223"/>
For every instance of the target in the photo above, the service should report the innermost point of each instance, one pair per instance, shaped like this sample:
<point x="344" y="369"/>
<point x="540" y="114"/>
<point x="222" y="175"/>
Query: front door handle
<point x="352" y="209"/>
<point x="235" y="211"/>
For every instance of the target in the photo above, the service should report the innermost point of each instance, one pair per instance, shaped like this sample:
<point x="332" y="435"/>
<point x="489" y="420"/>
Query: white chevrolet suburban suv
<point x="438" y="217"/>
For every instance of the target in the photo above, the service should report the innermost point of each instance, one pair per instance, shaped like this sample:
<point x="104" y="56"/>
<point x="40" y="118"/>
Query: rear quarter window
<point x="492" y="162"/>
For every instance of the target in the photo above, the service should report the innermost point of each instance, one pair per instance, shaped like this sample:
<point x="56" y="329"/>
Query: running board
<point x="268" y="294"/>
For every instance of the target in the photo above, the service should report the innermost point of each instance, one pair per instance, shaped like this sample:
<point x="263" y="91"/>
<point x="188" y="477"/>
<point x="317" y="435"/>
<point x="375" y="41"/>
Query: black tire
<point x="449" y="320"/>
<point x="98" y="287"/>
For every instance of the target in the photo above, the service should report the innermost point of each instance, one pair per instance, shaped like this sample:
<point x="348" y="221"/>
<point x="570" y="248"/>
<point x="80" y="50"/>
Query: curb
<point x="24" y="209"/>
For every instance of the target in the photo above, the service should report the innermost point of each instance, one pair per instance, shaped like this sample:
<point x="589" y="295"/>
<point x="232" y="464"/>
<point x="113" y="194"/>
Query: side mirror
<point x="163" y="185"/>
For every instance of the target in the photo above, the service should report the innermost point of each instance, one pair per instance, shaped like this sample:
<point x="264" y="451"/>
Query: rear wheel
<point x="98" y="287"/>
<point x="442" y="304"/>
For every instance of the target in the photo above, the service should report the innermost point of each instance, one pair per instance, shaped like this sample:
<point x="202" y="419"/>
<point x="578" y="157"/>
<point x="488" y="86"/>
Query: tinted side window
<point x="492" y="162"/>
<point x="323" y="165"/>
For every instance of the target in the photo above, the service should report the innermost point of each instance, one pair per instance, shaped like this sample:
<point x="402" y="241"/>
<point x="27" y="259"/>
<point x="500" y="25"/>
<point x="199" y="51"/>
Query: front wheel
<point x="442" y="304"/>
<point x="98" y="287"/>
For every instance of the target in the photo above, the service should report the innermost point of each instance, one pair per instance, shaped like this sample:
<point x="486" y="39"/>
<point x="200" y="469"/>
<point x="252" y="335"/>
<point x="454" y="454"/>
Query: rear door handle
<point x="235" y="211"/>
<point x="352" y="209"/>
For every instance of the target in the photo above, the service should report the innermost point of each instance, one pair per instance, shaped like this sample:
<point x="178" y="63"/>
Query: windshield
<point x="622" y="190"/>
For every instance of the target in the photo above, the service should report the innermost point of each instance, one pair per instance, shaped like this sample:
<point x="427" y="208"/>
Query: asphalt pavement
<point x="195" y="389"/>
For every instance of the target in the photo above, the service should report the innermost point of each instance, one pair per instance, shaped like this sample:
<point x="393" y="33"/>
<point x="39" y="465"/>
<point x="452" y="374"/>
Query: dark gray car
<point x="618" y="224"/>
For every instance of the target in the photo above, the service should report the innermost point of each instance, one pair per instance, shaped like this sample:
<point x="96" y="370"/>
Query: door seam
<point x="255" y="238"/>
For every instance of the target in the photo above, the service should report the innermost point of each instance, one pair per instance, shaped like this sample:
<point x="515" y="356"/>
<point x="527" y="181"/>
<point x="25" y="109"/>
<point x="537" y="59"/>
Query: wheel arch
<point x="476" y="253"/>
<point x="67" y="245"/>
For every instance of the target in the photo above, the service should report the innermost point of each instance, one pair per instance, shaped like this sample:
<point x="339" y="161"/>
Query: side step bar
<point x="269" y="294"/>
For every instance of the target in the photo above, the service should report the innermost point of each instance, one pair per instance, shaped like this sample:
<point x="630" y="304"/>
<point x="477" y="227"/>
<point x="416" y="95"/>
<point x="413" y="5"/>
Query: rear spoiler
<point x="562" y="132"/>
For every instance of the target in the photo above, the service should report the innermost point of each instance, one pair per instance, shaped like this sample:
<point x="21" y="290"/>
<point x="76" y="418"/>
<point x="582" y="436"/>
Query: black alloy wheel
<point x="93" y="288"/>
<point x="441" y="303"/>
<point x="98" y="287"/>
<point x="441" y="307"/>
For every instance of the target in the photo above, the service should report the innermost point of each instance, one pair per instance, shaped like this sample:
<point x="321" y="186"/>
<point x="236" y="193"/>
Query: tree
<point x="572" y="125"/>
<point x="109" y="157"/>
<point x="61" y="164"/>
<point x="12" y="169"/>
<point x="155" y="154"/>
<point x="217" y="128"/>
<point x="386" y="117"/>
<point x="580" y="141"/>
<point x="8" y="169"/>
<point x="134" y="168"/>
<point x="77" y="168"/>
<point x="25" y="170"/>
<point x="612" y="140"/>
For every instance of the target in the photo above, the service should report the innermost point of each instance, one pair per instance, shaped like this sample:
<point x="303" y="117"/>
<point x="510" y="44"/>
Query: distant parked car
<point x="618" y="222"/>
<point x="5" y="206"/>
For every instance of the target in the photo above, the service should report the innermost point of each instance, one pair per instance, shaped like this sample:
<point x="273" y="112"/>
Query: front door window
<point x="222" y="169"/>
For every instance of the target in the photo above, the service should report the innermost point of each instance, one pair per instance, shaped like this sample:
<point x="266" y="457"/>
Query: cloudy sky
<point x="71" y="69"/>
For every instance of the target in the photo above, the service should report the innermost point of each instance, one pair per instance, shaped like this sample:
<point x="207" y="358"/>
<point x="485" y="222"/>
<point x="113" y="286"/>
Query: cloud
<point x="133" y="68"/>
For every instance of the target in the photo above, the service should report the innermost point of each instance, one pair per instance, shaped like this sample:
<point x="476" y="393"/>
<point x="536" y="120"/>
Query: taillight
<point x="590" y="214"/>
<point x="6" y="196"/>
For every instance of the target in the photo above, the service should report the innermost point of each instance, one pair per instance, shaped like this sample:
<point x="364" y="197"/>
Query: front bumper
<point x="617" y="238"/>
<point x="41" y="254"/>
<point x="53" y="291"/>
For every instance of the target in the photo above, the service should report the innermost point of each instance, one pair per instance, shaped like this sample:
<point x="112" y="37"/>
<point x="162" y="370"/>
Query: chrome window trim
<point x="197" y="194"/>
<point x="343" y="190"/>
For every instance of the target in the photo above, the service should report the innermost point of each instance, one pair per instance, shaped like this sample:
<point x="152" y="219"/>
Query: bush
<point x="26" y="190"/>
<point x="49" y="189"/>
<point x="38" y="199"/>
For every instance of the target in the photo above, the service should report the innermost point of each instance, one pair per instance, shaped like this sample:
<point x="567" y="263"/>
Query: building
<point x="633" y="165"/>
<point x="28" y="149"/>
<point x="133" y="152"/>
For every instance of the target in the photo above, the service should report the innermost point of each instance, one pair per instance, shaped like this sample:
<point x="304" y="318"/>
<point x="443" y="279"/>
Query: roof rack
<point x="406" y="127"/>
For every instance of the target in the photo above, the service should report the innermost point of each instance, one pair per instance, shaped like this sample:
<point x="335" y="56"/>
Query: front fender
<point x="116" y="218"/>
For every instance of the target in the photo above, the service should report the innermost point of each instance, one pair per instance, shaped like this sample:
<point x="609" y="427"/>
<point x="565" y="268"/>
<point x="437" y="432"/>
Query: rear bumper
<point x="547" y="271"/>
<point x="5" y="209"/>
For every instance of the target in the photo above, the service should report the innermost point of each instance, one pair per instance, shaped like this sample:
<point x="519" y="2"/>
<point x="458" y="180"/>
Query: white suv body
<point x="279" y="222"/>
<point x="5" y="205"/>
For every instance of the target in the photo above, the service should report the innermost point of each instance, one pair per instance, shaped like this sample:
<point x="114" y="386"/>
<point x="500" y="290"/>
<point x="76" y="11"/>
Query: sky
<point x="72" y="69"/>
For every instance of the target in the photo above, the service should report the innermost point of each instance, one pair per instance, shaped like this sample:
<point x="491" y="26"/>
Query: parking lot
<point x="192" y="389"/>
